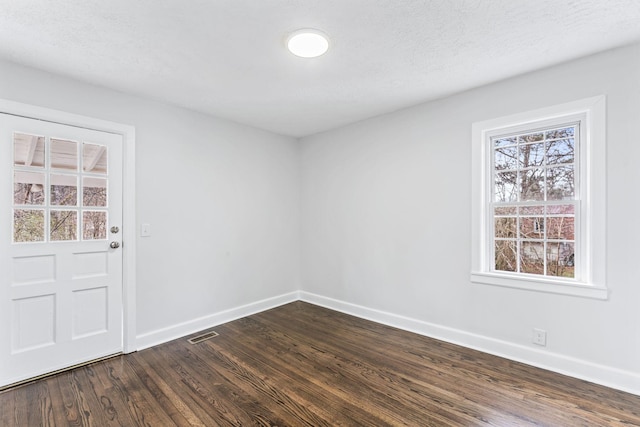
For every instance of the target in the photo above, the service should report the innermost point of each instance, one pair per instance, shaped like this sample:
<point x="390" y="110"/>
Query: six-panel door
<point x="61" y="282"/>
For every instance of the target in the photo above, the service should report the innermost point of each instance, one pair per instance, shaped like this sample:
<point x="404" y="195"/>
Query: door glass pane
<point x="28" y="225"/>
<point x="94" y="158"/>
<point x="94" y="192"/>
<point x="28" y="150"/>
<point x="28" y="188"/>
<point x="64" y="154"/>
<point x="64" y="190"/>
<point x="64" y="225"/>
<point x="94" y="225"/>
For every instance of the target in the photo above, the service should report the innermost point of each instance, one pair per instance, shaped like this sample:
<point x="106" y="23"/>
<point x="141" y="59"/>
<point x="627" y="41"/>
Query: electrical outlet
<point x="540" y="337"/>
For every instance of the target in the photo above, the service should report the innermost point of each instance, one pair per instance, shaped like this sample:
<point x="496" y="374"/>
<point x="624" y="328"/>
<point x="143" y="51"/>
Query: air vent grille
<point x="203" y="337"/>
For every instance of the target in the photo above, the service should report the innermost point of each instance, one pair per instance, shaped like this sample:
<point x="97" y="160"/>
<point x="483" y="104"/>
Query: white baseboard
<point x="582" y="369"/>
<point x="600" y="374"/>
<point x="163" y="335"/>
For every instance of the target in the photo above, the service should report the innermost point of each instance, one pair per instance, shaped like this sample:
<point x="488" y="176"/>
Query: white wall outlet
<point x="145" y="230"/>
<point x="540" y="337"/>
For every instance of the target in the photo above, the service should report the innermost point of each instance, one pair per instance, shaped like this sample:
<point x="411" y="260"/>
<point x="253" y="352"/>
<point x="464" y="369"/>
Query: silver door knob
<point x="114" y="229"/>
<point x="114" y="245"/>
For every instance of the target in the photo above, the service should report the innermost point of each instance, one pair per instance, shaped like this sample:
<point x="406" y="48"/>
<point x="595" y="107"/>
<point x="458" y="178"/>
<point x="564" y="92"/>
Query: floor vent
<point x="203" y="337"/>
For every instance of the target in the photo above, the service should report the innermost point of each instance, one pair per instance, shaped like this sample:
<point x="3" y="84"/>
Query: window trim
<point x="591" y="281"/>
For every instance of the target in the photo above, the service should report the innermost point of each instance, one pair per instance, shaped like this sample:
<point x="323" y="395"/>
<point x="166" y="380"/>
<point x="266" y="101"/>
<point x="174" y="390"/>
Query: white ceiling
<point x="227" y="57"/>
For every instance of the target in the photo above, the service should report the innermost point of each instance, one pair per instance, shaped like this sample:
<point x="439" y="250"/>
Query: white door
<point x="60" y="260"/>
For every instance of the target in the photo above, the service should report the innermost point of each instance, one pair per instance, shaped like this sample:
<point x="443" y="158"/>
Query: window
<point x="47" y="203"/>
<point x="539" y="202"/>
<point x="533" y="202"/>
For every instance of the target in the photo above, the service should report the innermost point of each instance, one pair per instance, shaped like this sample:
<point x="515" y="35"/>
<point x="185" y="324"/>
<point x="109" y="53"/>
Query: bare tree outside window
<point x="533" y="207"/>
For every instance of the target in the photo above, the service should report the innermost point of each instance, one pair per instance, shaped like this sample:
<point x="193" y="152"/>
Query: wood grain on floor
<point x="303" y="365"/>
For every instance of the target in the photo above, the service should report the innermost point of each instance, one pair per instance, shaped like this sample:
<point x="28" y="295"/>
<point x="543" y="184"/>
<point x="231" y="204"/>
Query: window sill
<point x="546" y="285"/>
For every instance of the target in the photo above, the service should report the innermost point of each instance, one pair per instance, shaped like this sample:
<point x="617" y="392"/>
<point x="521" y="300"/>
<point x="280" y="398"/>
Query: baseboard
<point x="163" y="335"/>
<point x="600" y="374"/>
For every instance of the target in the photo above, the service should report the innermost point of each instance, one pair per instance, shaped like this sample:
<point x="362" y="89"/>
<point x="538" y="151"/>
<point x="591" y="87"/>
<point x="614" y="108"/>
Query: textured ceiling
<point x="227" y="57"/>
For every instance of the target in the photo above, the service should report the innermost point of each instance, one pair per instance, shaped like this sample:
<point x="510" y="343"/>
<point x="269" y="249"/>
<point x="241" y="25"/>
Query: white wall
<point x="222" y="199"/>
<point x="386" y="225"/>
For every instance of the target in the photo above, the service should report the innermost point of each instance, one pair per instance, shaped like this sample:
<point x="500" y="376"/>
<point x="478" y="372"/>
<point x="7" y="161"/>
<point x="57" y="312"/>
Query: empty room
<point x="319" y="213"/>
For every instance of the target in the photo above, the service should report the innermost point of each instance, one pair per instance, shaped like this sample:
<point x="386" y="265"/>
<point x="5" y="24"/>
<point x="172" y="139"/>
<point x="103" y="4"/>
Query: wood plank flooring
<point x="302" y="365"/>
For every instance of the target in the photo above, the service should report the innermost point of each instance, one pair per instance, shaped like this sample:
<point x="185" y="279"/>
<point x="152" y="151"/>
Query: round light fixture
<point x="308" y="43"/>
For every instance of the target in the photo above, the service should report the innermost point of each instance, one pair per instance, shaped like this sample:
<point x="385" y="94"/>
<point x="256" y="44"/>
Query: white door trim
<point x="128" y="203"/>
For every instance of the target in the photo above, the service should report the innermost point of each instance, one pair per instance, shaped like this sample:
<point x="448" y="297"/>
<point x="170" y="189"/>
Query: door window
<point x="60" y="189"/>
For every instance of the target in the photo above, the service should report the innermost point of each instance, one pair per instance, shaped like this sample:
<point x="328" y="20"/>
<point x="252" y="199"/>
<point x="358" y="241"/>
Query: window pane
<point x="561" y="151"/>
<point x="505" y="227"/>
<point x="505" y="255"/>
<point x="568" y="132"/>
<point x="531" y="155"/>
<point x="561" y="228"/>
<point x="64" y="225"/>
<point x="506" y="158"/>
<point x="532" y="227"/>
<point x="64" y="190"/>
<point x="532" y="257"/>
<point x="561" y="259"/>
<point x="505" y="187"/>
<point x="28" y="188"/>
<point x="28" y="150"/>
<point x="506" y="210"/>
<point x="561" y="209"/>
<point x="28" y="225"/>
<point x="560" y="183"/>
<point x="532" y="137"/>
<point x="94" y="192"/>
<point x="532" y="210"/>
<point x="501" y="142"/>
<point x="532" y="185"/>
<point x="94" y="225"/>
<point x="64" y="154"/>
<point x="94" y="158"/>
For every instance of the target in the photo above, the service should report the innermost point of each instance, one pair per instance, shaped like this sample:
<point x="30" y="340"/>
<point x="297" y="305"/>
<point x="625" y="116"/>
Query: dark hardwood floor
<point x="302" y="365"/>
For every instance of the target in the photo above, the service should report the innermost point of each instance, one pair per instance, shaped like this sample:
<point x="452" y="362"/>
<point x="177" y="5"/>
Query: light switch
<point x="145" y="230"/>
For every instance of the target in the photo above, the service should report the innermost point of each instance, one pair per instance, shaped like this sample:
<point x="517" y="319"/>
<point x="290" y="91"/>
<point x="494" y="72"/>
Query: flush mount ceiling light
<point x="308" y="43"/>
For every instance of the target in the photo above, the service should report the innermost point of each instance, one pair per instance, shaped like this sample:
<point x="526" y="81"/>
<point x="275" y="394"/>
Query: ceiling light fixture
<point x="308" y="43"/>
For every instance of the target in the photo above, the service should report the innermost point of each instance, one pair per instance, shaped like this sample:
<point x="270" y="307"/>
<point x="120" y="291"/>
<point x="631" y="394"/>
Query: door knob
<point x="114" y="245"/>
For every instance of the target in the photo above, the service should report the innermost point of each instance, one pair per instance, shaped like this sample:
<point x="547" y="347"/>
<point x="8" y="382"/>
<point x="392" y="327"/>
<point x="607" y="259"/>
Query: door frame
<point x="128" y="199"/>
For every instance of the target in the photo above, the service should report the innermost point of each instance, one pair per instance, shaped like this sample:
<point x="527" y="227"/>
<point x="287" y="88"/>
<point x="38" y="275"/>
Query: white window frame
<point x="590" y="280"/>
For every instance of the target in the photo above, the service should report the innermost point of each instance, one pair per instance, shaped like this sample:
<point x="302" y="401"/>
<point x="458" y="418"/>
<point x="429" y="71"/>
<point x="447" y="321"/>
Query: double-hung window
<point x="538" y="200"/>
